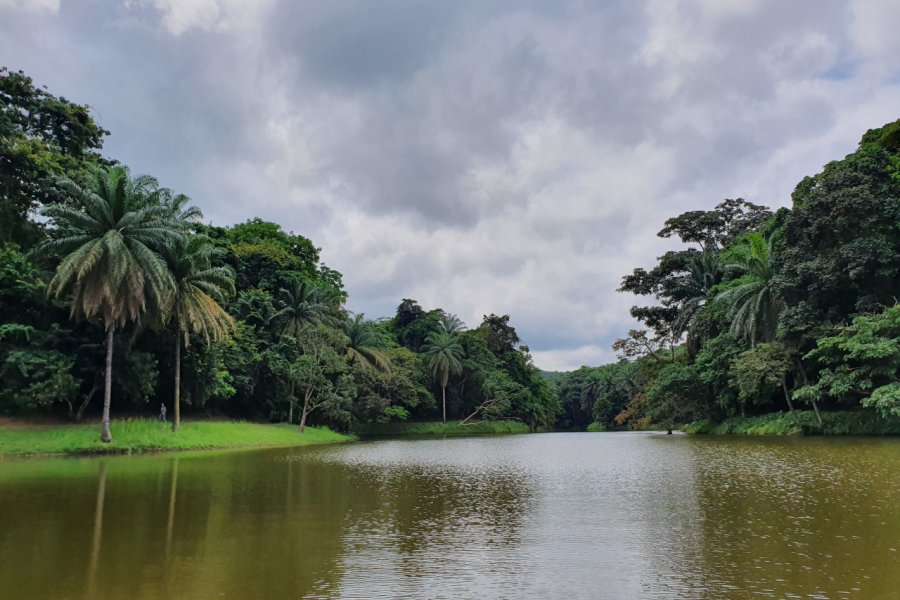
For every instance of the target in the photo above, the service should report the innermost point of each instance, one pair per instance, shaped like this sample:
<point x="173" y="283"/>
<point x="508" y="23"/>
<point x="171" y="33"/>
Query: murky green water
<point x="539" y="516"/>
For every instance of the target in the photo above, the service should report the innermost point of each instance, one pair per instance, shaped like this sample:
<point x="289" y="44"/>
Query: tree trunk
<point x="177" y="420"/>
<point x="444" y="401"/>
<point x="105" y="435"/>
<point x="816" y="408"/>
<point x="291" y="405"/>
<point x="90" y="395"/>
<point x="305" y="412"/>
<point x="787" y="396"/>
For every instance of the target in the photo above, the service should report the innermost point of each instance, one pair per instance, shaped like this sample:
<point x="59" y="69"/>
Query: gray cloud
<point x="484" y="157"/>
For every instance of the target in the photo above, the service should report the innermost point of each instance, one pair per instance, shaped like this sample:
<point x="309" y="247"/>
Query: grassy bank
<point x="149" y="436"/>
<point x="802" y="422"/>
<point x="440" y="429"/>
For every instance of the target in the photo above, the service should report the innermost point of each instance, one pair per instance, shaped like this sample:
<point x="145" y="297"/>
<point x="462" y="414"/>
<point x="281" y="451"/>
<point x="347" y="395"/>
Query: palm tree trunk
<point x="105" y="435"/>
<point x="177" y="420"/>
<point x="444" y="401"/>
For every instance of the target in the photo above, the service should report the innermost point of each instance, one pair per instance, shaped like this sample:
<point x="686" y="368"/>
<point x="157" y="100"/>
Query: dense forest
<point x="112" y="288"/>
<point x="761" y="312"/>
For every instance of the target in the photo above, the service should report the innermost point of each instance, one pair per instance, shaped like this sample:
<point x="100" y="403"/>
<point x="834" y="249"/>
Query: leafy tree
<point x="444" y="353"/>
<point x="839" y="247"/>
<point x="110" y="237"/>
<point x="714" y="363"/>
<point x="861" y="363"/>
<point x="195" y="308"/>
<point x="501" y="336"/>
<point x="676" y="396"/>
<point x="714" y="229"/>
<point x="42" y="137"/>
<point x="760" y="372"/>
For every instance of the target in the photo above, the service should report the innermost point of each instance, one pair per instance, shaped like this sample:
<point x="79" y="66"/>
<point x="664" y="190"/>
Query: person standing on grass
<point x="162" y="412"/>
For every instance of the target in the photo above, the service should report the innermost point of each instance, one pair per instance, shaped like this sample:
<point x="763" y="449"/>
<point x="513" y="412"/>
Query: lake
<point x="558" y="515"/>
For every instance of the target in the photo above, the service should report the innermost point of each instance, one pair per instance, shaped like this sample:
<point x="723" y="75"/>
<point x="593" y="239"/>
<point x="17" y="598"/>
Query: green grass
<point x="148" y="436"/>
<point x="802" y="422"/>
<point x="440" y="429"/>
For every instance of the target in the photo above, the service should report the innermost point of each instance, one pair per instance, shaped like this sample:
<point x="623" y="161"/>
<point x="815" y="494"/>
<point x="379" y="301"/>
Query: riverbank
<point x="143" y="435"/>
<point x="801" y="422"/>
<point x="439" y="429"/>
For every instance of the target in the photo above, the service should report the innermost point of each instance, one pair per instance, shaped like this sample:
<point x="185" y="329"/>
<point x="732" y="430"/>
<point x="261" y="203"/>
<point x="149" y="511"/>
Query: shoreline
<point x="144" y="436"/>
<point x="800" y="423"/>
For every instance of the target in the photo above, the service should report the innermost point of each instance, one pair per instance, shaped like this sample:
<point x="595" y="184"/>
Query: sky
<point x="483" y="157"/>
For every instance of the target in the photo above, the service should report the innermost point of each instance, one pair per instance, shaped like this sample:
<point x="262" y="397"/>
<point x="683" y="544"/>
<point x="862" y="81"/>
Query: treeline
<point x="113" y="293"/>
<point x="763" y="312"/>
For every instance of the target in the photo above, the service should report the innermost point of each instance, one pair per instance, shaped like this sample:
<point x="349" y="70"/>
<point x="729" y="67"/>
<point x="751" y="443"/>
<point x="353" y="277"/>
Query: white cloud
<point x="477" y="156"/>
<point x="32" y="5"/>
<point x="181" y="16"/>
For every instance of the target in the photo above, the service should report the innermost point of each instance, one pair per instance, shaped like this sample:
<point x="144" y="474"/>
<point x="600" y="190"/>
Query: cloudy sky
<point x="507" y="157"/>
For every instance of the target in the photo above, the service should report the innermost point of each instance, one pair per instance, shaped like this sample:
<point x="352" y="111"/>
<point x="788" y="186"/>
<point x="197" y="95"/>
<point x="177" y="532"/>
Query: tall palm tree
<point x="754" y="304"/>
<point x="303" y="304"/>
<point x="362" y="344"/>
<point x="195" y="307"/>
<point x="110" y="237"/>
<point x="445" y="355"/>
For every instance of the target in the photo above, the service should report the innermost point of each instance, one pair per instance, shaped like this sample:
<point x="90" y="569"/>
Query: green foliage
<point x="857" y="422"/>
<point x="758" y="373"/>
<point x="861" y="362"/>
<point x="35" y="379"/>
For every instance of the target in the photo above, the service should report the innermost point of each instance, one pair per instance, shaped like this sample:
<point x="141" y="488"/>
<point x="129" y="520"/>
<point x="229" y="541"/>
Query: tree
<point x="861" y="363"/>
<point x="304" y="304"/>
<point x="675" y="396"/>
<point x="110" y="236"/>
<point x="839" y="246"/>
<point x="320" y="375"/>
<point x="42" y="137"/>
<point x="444" y="353"/>
<point x="199" y="287"/>
<point x="501" y="336"/>
<point x="361" y="344"/>
<point x="754" y="303"/>
<point x="760" y="371"/>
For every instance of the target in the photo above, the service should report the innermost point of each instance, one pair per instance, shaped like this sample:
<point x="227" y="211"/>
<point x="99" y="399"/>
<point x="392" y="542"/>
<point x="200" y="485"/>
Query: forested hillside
<point x="114" y="297"/>
<point x="761" y="311"/>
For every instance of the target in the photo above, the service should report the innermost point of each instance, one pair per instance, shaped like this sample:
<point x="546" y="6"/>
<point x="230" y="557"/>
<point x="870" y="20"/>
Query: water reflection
<point x="557" y="515"/>
<point x="98" y="530"/>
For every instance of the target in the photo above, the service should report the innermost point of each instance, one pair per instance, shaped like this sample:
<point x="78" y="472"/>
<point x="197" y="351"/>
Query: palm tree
<point x="754" y="304"/>
<point x="703" y="272"/>
<point x="303" y="304"/>
<point x="195" y="304"/>
<point x="451" y="324"/>
<point x="361" y="344"/>
<point x="110" y="236"/>
<point x="445" y="354"/>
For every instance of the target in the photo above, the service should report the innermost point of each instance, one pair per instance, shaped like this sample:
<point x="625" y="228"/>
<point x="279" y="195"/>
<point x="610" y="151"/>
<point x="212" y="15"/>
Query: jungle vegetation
<point x="762" y="312"/>
<point x="115" y="297"/>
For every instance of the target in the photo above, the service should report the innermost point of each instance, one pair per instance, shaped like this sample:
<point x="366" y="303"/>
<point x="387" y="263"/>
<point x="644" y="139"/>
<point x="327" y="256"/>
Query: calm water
<point x="538" y="516"/>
